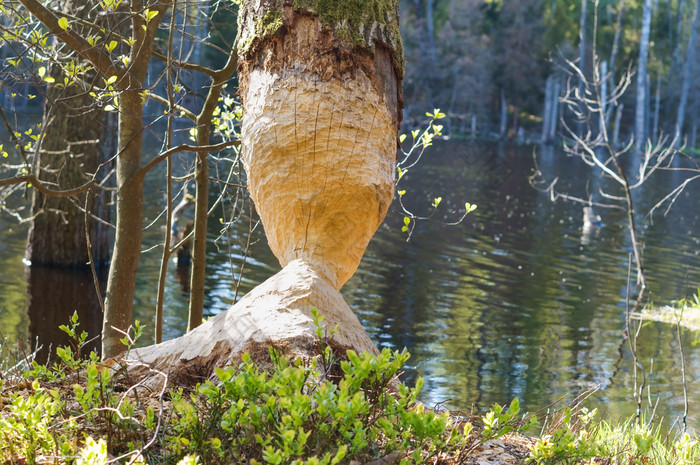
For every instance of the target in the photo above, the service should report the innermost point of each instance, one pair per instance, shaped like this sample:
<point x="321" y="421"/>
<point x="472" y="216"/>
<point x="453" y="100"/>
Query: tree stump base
<point x="277" y="313"/>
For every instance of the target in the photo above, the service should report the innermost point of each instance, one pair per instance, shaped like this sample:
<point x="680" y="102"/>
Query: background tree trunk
<point x="640" y="135"/>
<point x="613" y="55"/>
<point x="657" y="108"/>
<point x="687" y="72"/>
<point x="603" y="80"/>
<point x="70" y="155"/>
<point x="504" y="116"/>
<point x="547" y="112"/>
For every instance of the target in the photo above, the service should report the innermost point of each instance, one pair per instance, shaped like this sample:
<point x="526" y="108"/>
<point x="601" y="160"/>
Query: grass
<point x="332" y="410"/>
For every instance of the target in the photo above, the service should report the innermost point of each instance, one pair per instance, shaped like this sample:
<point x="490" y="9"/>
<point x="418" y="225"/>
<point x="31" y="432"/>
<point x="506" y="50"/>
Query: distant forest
<point x="487" y="63"/>
<point x="468" y="57"/>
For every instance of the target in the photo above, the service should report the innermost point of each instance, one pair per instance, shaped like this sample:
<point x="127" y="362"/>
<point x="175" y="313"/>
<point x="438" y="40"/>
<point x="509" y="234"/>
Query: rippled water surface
<point x="514" y="301"/>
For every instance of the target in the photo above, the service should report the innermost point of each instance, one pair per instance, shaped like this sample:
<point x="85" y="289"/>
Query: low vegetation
<point x="329" y="410"/>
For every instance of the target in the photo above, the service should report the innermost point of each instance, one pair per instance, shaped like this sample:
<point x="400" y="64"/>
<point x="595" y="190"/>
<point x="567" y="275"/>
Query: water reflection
<point x="54" y="295"/>
<point x="516" y="301"/>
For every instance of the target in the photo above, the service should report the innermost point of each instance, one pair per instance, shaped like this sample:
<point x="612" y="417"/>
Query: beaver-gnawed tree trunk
<point x="320" y="83"/>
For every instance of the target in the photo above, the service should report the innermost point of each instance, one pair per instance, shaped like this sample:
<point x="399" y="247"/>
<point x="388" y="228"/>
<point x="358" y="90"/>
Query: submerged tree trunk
<point x="640" y="135"/>
<point x="322" y="103"/>
<point x="687" y="72"/>
<point x="70" y="155"/>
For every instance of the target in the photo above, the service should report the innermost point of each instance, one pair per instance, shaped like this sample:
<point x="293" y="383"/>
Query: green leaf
<point x="111" y="46"/>
<point x="401" y="193"/>
<point x="63" y="23"/>
<point x="437" y="201"/>
<point x="402" y="138"/>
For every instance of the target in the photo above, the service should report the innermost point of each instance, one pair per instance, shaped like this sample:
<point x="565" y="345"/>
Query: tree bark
<point x="640" y="135"/>
<point x="129" y="176"/>
<point x="127" y="242"/>
<point x="687" y="73"/>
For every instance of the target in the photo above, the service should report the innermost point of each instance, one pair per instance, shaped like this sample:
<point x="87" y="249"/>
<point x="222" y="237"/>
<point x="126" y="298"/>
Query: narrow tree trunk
<point x="127" y="242"/>
<point x="430" y="32"/>
<point x="687" y="73"/>
<point x="618" y="120"/>
<point x="603" y="80"/>
<point x="199" y="246"/>
<point x="554" y="119"/>
<point x="129" y="178"/>
<point x="504" y="116"/>
<point x="547" y="112"/>
<point x="657" y="107"/>
<point x="640" y="135"/>
<point x="582" y="59"/>
<point x="473" y="127"/>
<point x="613" y="54"/>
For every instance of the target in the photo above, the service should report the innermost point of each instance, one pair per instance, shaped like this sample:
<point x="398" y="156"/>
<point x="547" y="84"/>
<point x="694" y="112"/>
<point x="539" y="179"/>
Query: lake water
<point x="516" y="301"/>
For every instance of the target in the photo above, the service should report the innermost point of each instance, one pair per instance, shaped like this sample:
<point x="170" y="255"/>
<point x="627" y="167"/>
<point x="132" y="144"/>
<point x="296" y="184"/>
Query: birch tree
<point x="687" y="73"/>
<point x="640" y="132"/>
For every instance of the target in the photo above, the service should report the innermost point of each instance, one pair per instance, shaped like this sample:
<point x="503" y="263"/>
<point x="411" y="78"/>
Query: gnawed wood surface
<point x="320" y="163"/>
<point x="276" y="313"/>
